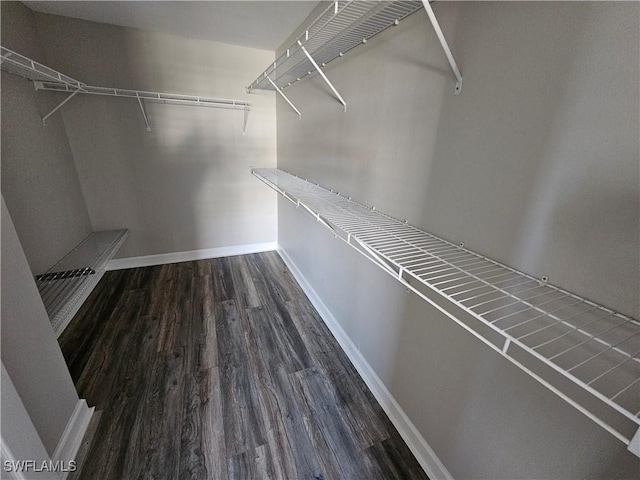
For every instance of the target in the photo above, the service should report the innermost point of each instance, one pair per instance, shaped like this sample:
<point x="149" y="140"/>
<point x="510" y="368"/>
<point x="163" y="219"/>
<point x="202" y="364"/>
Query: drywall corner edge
<point x="424" y="454"/>
<point x="176" y="257"/>
<point x="73" y="434"/>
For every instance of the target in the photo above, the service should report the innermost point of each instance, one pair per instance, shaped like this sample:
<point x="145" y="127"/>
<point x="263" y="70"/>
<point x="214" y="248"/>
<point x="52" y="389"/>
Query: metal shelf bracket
<point x="144" y="114"/>
<point x="244" y="124"/>
<point x="44" y="119"/>
<point x="324" y="77"/>
<point x="445" y="46"/>
<point x="279" y="90"/>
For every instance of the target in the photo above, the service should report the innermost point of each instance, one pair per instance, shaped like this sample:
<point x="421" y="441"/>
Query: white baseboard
<point x="425" y="455"/>
<point x="163" y="258"/>
<point x="73" y="434"/>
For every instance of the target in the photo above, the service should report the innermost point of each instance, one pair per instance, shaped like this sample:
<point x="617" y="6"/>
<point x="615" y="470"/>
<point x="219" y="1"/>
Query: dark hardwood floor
<point x="223" y="369"/>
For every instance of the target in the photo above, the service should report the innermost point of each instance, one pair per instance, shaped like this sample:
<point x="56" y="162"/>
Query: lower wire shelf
<point x="585" y="353"/>
<point x="70" y="281"/>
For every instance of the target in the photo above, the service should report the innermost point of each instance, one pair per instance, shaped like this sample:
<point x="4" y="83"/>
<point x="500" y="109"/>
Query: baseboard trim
<point x="73" y="434"/>
<point x="176" y="257"/>
<point x="425" y="455"/>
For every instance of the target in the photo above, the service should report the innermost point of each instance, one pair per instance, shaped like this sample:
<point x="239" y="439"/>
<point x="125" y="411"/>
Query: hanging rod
<point x="343" y="25"/>
<point x="585" y="353"/>
<point x="45" y="78"/>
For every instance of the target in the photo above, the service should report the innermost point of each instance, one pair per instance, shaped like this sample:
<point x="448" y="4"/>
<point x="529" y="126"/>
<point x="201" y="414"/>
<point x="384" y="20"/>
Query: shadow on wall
<point x="185" y="152"/>
<point x="185" y="185"/>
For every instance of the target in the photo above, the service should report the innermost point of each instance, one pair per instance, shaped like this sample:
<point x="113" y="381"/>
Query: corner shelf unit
<point x="585" y="353"/>
<point x="70" y="281"/>
<point x="45" y="78"/>
<point x="343" y="25"/>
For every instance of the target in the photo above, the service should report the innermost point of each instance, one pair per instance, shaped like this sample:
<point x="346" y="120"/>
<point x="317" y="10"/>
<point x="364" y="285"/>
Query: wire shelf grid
<point x="589" y="344"/>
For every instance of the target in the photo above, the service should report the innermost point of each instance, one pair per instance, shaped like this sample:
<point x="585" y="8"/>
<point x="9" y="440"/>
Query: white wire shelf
<point x="45" y="78"/>
<point x="584" y="352"/>
<point x="172" y="98"/>
<point x="341" y="27"/>
<point x="70" y="281"/>
<point x="17" y="64"/>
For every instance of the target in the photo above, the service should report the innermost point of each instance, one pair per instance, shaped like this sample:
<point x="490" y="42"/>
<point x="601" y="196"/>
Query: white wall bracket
<point x="445" y="46"/>
<point x="244" y="123"/>
<point x="44" y="119"/>
<point x="324" y="77"/>
<point x="279" y="90"/>
<point x="144" y="114"/>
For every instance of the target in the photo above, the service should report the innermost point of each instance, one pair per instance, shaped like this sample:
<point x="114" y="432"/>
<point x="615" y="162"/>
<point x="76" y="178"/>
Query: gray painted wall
<point x="30" y="351"/>
<point x="535" y="164"/>
<point x="39" y="179"/>
<point x="186" y="185"/>
<point x="18" y="433"/>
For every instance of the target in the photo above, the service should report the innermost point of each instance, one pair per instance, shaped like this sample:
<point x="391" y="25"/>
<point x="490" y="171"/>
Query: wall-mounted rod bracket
<point x="445" y="46"/>
<point x="44" y="119"/>
<point x="324" y="77"/>
<point x="279" y="90"/>
<point x="144" y="114"/>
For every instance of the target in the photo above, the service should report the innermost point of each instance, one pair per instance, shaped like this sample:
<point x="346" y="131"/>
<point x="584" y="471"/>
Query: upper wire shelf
<point x="551" y="334"/>
<point x="341" y="27"/>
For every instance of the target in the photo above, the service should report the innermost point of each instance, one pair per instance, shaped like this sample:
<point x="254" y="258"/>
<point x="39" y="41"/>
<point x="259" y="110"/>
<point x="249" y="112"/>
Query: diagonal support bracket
<point x="244" y="124"/>
<point x="44" y="119"/>
<point x="445" y="46"/>
<point x="324" y="77"/>
<point x="144" y="113"/>
<point x="279" y="90"/>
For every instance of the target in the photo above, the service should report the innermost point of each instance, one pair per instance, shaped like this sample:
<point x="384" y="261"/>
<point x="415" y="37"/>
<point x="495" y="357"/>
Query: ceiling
<point x="257" y="24"/>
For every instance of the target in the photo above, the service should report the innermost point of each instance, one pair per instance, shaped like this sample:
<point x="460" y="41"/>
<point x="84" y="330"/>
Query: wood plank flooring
<point x="222" y="369"/>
